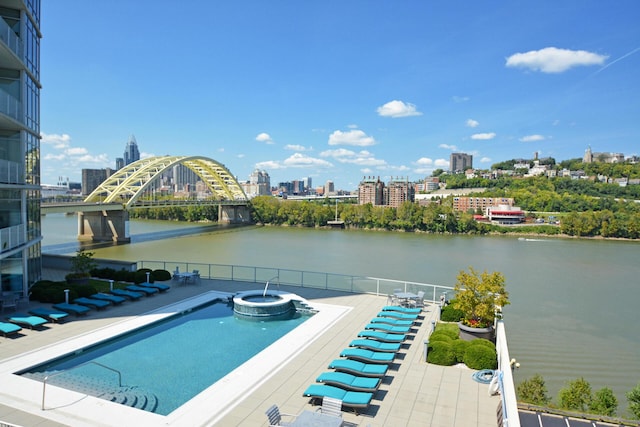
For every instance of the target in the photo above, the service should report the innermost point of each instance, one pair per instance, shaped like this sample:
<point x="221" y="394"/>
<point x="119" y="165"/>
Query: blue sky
<point x="337" y="90"/>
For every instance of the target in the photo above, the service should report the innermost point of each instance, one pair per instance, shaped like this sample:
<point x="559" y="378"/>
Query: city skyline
<point x="339" y="92"/>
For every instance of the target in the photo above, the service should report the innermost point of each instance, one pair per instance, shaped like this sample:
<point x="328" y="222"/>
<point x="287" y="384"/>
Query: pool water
<point x="176" y="359"/>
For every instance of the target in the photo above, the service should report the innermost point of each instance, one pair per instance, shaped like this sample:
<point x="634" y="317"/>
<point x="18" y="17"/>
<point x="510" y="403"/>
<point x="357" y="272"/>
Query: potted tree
<point x="481" y="298"/>
<point x="81" y="264"/>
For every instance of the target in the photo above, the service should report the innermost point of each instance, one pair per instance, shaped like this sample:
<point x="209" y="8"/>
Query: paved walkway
<point x="413" y="394"/>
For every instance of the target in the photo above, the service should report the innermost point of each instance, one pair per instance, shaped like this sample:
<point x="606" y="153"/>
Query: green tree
<point x="576" y="396"/>
<point x="604" y="402"/>
<point x="478" y="295"/>
<point x="633" y="397"/>
<point x="534" y="391"/>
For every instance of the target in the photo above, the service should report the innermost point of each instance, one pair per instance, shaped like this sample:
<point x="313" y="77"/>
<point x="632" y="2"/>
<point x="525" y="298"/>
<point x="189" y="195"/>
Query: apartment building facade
<point x="20" y="227"/>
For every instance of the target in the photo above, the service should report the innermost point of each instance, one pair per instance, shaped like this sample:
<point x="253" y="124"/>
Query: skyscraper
<point x="459" y="162"/>
<point x="131" y="153"/>
<point x="20" y="256"/>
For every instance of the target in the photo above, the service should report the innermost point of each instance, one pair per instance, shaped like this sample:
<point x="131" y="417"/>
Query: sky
<point x="337" y="90"/>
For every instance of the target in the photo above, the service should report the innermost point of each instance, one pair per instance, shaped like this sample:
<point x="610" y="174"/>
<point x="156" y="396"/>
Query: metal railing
<point x="91" y="362"/>
<point x="301" y="278"/>
<point x="12" y="237"/>
<point x="511" y="418"/>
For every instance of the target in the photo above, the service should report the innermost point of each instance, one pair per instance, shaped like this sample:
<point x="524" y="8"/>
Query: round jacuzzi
<point x="258" y="303"/>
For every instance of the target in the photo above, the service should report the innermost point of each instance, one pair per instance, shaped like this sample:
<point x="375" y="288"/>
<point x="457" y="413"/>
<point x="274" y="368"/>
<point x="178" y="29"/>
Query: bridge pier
<point x="104" y="226"/>
<point x="230" y="214"/>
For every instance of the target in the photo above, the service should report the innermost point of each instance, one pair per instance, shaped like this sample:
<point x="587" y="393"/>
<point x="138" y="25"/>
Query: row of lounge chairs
<point x="37" y="317"/>
<point x="359" y="372"/>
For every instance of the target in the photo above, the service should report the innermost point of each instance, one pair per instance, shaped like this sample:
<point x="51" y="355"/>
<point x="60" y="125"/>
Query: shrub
<point x="450" y="314"/>
<point x="449" y="329"/>
<point x="161" y="275"/>
<point x="82" y="291"/>
<point x="604" y="402"/>
<point x="480" y="357"/>
<point x="440" y="336"/>
<point x="483" y="342"/>
<point x="633" y="397"/>
<point x="441" y="353"/>
<point x="104" y="273"/>
<point x="576" y="396"/>
<point x="534" y="391"/>
<point x="140" y="276"/>
<point x="459" y="348"/>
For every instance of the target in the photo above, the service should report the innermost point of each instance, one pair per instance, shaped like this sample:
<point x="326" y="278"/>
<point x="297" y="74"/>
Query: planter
<point x="468" y="333"/>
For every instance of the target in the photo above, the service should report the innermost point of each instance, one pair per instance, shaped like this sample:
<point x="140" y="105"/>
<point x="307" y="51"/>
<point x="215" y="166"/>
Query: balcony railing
<point x="10" y="105"/>
<point x="12" y="237"/>
<point x="11" y="39"/>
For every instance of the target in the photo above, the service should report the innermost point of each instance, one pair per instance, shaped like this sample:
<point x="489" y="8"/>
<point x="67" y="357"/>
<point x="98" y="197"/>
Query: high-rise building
<point x="92" y="178"/>
<point x="131" y="153"/>
<point x="119" y="163"/>
<point x="371" y="190"/>
<point x="460" y="162"/>
<point x="399" y="191"/>
<point x="20" y="256"/>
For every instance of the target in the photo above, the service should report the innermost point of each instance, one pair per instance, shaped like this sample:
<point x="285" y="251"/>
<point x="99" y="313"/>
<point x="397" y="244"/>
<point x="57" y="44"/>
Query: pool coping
<point x="206" y="408"/>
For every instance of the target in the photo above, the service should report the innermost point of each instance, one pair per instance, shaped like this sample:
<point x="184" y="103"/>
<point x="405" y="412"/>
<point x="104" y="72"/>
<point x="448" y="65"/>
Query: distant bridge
<point x="104" y="213"/>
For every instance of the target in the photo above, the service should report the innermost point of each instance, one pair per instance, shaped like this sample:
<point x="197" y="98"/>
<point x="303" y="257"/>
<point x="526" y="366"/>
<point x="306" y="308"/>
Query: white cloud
<point x="532" y="138"/>
<point x="269" y="164"/>
<point x="442" y="163"/>
<point x="472" y="123"/>
<point x="264" y="137"/>
<point x="398" y="109"/>
<point x="459" y="99"/>
<point x="301" y="160"/>
<point x="448" y="147"/>
<point x="241" y="156"/>
<point x="485" y="160"/>
<point x="295" y="147"/>
<point x="99" y="159"/>
<point x="145" y="155"/>
<point x="424" y="161"/>
<point x="56" y="157"/>
<point x="363" y="158"/>
<point x="554" y="60"/>
<point x="483" y="136"/>
<point x="58" y="141"/>
<point x="352" y="137"/>
<point x="77" y="151"/>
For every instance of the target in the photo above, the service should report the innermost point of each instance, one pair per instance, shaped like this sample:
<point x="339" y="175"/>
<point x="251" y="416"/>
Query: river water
<point x="574" y="303"/>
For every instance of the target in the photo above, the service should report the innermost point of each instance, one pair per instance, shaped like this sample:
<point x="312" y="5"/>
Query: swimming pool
<point x="165" y="365"/>
<point x="68" y="407"/>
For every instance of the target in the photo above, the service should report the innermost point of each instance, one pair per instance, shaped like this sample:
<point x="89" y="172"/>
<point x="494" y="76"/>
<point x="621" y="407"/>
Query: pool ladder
<point x="44" y="382"/>
<point x="266" y="286"/>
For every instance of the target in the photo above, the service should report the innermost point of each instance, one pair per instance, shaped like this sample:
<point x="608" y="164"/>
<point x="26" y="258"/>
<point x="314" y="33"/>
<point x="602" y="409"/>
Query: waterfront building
<point x="371" y="190"/>
<point x="459" y="162"/>
<point x="259" y="184"/>
<point x="20" y="191"/>
<point x="399" y="191"/>
<point x="505" y="214"/>
<point x="131" y="152"/>
<point x="329" y="188"/>
<point x="475" y="204"/>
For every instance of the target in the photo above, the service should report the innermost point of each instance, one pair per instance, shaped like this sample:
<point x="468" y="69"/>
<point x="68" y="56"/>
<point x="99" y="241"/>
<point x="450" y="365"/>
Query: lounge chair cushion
<point x="349" y="382"/>
<point x="72" y="308"/>
<point x="159" y="286"/>
<point x="95" y="303"/>
<point x="127" y="294"/>
<point x="146" y="291"/>
<point x="358" y="368"/>
<point x="113" y="299"/>
<point x="388" y="328"/>
<point x="47" y="313"/>
<point x="27" y="320"/>
<point x="375" y="345"/>
<point x="402" y="309"/>
<point x="382" y="336"/>
<point x="367" y="356"/>
<point x="392" y="321"/>
<point x="398" y="315"/>
<point x="9" y="328"/>
<point x="355" y="399"/>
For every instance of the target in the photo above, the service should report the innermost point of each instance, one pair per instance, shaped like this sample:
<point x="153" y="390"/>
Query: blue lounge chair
<point x="159" y="286"/>
<point x="26" y="320"/>
<point x="76" y="309"/>
<point x="388" y="328"/>
<point x="367" y="356"/>
<point x="392" y="321"/>
<point x="133" y="296"/>
<point x="93" y="303"/>
<point x="358" y="368"/>
<point x="376" y="345"/>
<point x="47" y="313"/>
<point x="402" y="309"/>
<point x="7" y="329"/>
<point x="353" y="399"/>
<point x="113" y="299"/>
<point x="398" y="315"/>
<point x="142" y="289"/>
<point x="349" y="382"/>
<point x="382" y="336"/>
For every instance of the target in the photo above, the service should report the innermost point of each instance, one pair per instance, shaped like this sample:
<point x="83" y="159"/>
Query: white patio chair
<point x="275" y="416"/>
<point x="331" y="406"/>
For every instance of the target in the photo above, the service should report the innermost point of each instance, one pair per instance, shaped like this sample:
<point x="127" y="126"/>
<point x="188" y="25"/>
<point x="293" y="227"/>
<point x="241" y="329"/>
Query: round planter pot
<point x="468" y="333"/>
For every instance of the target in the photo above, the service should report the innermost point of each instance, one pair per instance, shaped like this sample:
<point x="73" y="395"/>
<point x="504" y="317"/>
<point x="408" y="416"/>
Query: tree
<point x="533" y="391"/>
<point x="576" y="396"/>
<point x="479" y="295"/>
<point x="604" y="402"/>
<point x="633" y="397"/>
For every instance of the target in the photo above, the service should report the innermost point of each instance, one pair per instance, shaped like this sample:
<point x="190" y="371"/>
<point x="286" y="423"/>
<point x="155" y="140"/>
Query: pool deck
<point x="413" y="393"/>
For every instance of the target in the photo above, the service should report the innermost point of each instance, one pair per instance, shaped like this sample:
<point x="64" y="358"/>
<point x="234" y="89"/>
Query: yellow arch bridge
<point x="130" y="187"/>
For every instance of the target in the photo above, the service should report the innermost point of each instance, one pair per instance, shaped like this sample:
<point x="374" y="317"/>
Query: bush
<point x="480" y="357"/>
<point x="633" y="397"/>
<point x="140" y="276"/>
<point x="104" y="273"/>
<point x="450" y="329"/>
<point x="483" y="342"/>
<point x="440" y="336"/>
<point x="459" y="348"/>
<point x="441" y="353"/>
<point x="533" y="391"/>
<point x="604" y="402"/>
<point x="576" y="396"/>
<point x="450" y="314"/>
<point x="161" y="275"/>
<point x="82" y="291"/>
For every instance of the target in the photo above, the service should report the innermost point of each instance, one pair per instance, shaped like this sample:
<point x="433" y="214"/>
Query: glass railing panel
<point x="10" y="106"/>
<point x="10" y="39"/>
<point x="11" y="172"/>
<point x="12" y="237"/>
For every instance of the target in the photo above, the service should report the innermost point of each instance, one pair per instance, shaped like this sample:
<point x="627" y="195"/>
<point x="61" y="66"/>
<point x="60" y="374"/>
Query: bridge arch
<point x="130" y="182"/>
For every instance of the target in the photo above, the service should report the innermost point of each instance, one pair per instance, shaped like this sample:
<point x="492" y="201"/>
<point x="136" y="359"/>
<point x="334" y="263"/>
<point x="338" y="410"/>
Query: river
<point x="574" y="303"/>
